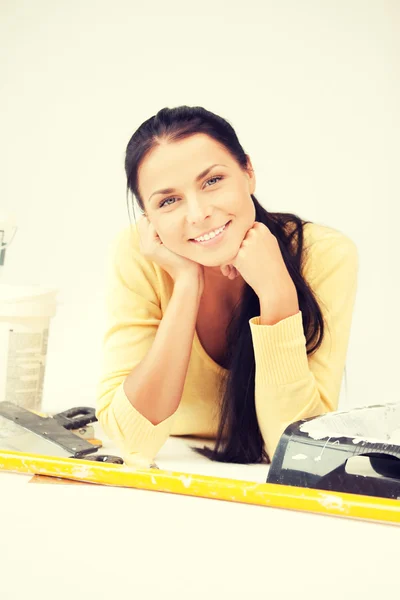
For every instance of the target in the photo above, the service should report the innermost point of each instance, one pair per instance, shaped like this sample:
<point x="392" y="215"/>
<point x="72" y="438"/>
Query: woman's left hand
<point x="260" y="262"/>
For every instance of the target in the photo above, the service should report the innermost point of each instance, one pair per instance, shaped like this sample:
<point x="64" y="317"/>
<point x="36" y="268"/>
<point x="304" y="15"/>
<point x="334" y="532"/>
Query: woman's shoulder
<point x="318" y="237"/>
<point x="325" y="246"/>
<point x="126" y="236"/>
<point x="324" y="235"/>
<point x="125" y="253"/>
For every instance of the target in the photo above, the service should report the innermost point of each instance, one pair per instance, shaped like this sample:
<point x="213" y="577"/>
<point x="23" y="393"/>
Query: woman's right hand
<point x="176" y="266"/>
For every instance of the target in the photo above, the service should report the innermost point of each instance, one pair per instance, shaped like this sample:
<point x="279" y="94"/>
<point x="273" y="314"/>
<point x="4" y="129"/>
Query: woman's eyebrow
<point x="200" y="176"/>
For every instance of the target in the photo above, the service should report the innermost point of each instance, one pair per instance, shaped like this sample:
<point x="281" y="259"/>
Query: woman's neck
<point x="218" y="289"/>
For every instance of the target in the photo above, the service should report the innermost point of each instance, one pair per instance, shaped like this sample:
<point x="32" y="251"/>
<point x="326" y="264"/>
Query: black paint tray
<point x="356" y="451"/>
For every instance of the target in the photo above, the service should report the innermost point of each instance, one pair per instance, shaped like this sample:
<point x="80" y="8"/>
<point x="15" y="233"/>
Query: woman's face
<point x="194" y="207"/>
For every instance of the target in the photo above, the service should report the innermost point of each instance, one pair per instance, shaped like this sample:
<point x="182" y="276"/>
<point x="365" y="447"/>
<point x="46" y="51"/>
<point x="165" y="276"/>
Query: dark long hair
<point x="238" y="433"/>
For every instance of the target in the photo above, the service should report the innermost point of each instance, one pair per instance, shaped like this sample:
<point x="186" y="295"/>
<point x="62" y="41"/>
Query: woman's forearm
<point x="154" y="386"/>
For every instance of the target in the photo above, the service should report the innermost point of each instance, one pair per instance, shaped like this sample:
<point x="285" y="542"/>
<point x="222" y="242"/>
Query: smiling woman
<point x="216" y="307"/>
<point x="210" y="188"/>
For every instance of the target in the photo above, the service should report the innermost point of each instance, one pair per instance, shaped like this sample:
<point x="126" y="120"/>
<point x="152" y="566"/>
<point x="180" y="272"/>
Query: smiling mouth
<point x="225" y="227"/>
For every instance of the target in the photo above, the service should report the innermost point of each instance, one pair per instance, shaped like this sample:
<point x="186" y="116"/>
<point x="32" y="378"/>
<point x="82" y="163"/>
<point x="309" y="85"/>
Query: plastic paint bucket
<point x="25" y="313"/>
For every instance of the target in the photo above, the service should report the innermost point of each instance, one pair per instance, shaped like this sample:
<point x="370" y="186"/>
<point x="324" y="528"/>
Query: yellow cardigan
<point x="289" y="385"/>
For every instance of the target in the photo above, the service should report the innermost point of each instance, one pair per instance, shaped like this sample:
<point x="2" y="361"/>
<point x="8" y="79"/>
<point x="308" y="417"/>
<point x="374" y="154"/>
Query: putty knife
<point x="24" y="431"/>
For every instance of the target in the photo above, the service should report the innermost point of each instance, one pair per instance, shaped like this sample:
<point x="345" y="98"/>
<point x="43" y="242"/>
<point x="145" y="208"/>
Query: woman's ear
<point x="251" y="175"/>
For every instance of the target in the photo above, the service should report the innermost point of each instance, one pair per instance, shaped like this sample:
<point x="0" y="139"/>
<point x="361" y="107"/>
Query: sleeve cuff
<point x="137" y="437"/>
<point x="280" y="350"/>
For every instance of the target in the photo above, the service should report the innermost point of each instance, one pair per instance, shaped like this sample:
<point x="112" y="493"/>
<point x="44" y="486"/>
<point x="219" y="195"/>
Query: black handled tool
<point x="51" y="436"/>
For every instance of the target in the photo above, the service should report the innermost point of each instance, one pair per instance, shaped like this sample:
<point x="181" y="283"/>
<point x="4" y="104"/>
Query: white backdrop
<point x="311" y="88"/>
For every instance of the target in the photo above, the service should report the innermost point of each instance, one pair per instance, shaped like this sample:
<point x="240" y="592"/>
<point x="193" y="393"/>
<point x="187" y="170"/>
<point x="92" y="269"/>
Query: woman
<point x="222" y="335"/>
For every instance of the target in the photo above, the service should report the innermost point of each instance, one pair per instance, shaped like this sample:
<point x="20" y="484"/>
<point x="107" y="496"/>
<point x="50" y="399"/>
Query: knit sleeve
<point x="289" y="384"/>
<point x="133" y="314"/>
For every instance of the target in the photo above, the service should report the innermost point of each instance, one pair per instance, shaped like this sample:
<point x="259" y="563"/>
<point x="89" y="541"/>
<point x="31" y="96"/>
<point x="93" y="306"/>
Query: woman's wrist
<point x="190" y="281"/>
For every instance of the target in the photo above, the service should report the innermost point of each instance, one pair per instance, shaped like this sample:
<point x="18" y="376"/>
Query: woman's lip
<point x="193" y="240"/>
<point x="209" y="242"/>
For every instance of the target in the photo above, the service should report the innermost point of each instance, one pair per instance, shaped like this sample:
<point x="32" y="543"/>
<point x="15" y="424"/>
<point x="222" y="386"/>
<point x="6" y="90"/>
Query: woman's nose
<point x="196" y="212"/>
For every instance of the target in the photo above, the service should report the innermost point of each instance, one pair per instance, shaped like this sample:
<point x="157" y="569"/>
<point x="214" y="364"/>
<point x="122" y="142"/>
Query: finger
<point x="225" y="270"/>
<point x="147" y="232"/>
<point x="235" y="273"/>
<point x="142" y="223"/>
<point x="153" y="235"/>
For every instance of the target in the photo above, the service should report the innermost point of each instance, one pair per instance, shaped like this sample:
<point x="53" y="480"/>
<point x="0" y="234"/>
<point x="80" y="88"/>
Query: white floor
<point x="70" y="541"/>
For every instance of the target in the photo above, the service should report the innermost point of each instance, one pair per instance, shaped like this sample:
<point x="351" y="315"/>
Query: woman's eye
<point x="217" y="177"/>
<point x="163" y="203"/>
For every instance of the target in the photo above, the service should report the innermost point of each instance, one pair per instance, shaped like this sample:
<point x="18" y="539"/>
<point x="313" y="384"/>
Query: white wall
<point x="311" y="87"/>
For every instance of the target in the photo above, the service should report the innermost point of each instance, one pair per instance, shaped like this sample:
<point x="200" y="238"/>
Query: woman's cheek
<point x="171" y="242"/>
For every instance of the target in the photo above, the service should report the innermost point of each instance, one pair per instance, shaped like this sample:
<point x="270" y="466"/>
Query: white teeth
<point x="210" y="235"/>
